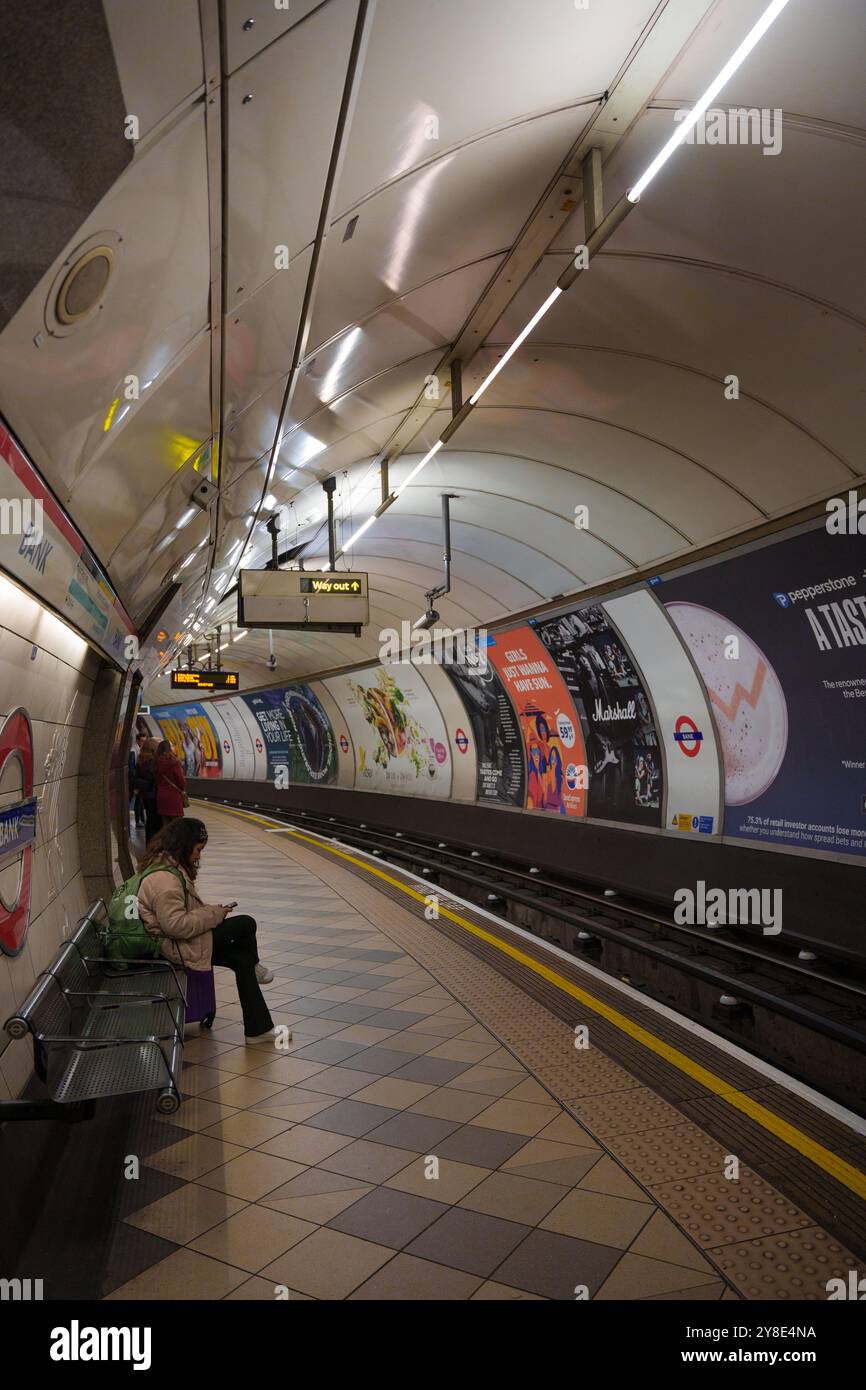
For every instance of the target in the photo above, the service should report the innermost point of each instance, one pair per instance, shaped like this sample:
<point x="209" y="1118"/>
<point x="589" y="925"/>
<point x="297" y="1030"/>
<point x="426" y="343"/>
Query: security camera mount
<point x="431" y="616"/>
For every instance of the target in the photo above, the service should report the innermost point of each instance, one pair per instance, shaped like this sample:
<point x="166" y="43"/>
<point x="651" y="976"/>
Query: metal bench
<point x="99" y="1030"/>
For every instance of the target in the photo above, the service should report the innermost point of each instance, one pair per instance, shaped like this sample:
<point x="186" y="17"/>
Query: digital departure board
<point x="204" y="680"/>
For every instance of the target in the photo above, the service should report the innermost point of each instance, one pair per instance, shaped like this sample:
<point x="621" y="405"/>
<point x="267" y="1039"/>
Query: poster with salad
<point x="399" y="735"/>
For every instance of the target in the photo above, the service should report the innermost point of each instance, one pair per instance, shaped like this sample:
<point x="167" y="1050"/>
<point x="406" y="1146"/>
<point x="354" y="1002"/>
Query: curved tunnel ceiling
<point x="450" y="198"/>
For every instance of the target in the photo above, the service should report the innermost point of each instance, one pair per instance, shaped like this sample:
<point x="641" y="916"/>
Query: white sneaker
<point x="261" y="1037"/>
<point x="263" y="974"/>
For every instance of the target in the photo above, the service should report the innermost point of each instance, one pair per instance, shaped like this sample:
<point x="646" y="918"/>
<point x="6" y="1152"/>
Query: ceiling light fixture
<point x="365" y="526"/>
<point x="410" y="477"/>
<point x="753" y="37"/>
<point x="536" y="317"/>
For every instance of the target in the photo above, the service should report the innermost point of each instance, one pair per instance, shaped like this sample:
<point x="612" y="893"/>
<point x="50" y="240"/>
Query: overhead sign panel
<point x="204" y="680"/>
<point x="295" y="599"/>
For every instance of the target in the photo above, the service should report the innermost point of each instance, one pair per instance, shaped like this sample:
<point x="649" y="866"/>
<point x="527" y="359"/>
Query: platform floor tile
<point x="431" y="1132"/>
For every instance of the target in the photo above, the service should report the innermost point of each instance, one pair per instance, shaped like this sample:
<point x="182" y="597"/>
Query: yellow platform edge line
<point x="822" y="1157"/>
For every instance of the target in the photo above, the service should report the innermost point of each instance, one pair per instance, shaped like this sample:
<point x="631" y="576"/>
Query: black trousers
<point x="152" y="820"/>
<point x="234" y="945"/>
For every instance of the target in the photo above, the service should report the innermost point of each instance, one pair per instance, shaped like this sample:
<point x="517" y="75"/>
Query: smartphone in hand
<point x="228" y="906"/>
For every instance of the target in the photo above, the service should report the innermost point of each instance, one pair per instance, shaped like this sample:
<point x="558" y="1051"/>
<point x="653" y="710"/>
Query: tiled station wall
<point x="49" y="672"/>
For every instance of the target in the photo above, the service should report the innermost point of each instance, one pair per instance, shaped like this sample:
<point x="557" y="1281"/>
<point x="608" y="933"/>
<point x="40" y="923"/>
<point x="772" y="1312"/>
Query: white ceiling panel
<point x="61" y="393"/>
<point x="252" y="25"/>
<point x="116" y="496"/>
<point x="474" y="67"/>
<point x="690" y="314"/>
<point x="408" y="234"/>
<point x="811" y="62"/>
<point x="260" y="336"/>
<point x="279" y="144"/>
<point x="525" y="497"/>
<point x="655" y="431"/>
<point x="732" y="205"/>
<point x="158" y="51"/>
<point x="401" y="328"/>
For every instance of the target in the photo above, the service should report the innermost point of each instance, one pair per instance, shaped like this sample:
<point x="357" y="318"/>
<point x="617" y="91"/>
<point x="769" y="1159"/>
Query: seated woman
<point x="196" y="935"/>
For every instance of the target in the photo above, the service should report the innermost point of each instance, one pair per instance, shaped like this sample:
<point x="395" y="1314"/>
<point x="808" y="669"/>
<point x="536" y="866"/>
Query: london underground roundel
<point x="17" y="831"/>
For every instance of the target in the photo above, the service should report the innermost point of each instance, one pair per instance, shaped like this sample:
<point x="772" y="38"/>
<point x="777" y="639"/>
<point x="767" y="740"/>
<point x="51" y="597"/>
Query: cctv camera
<point x="427" y="621"/>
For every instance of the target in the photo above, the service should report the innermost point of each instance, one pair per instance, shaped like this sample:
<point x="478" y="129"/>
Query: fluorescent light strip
<point x="410" y="477"/>
<point x="539" y="314"/>
<point x="752" y="38"/>
<point x="365" y="526"/>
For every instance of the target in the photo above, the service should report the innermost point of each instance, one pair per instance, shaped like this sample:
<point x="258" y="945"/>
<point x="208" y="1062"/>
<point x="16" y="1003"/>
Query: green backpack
<point x="127" y="937"/>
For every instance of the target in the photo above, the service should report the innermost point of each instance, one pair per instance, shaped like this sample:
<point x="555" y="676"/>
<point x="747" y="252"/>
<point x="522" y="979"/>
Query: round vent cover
<point x="81" y="284"/>
<point x="84" y="284"/>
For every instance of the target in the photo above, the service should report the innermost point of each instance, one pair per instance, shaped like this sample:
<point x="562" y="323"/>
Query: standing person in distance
<point x="170" y="784"/>
<point x="145" y="786"/>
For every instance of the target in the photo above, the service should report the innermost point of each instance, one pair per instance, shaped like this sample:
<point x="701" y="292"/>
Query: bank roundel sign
<point x="17" y="831"/>
<point x="688" y="736"/>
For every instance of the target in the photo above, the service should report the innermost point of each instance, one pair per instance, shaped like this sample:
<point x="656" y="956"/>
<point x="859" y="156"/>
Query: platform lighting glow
<point x="270" y="500"/>
<point x="752" y="38"/>
<point x="240" y="635"/>
<point x="365" y="526"/>
<point x="186" y="518"/>
<point x="539" y="314"/>
<point x="418" y="466"/>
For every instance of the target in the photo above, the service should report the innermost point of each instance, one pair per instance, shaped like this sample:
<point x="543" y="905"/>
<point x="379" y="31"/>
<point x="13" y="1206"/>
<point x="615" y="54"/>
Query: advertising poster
<point x="501" y="769"/>
<point x="238" y="735"/>
<point x="556" y="777"/>
<point x="399" y="735"/>
<point x="622" y="747"/>
<point x="340" y="730"/>
<point x="779" y="636"/>
<point x="296" y="732"/>
<point x="684" y="724"/>
<point x="461" y="737"/>
<point x="192" y="736"/>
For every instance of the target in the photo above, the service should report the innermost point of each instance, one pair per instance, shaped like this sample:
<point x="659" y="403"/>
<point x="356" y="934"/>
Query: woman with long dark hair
<point x="196" y="935"/>
<point x="170" y="783"/>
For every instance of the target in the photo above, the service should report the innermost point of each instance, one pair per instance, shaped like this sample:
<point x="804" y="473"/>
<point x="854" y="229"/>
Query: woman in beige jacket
<point x="194" y="934"/>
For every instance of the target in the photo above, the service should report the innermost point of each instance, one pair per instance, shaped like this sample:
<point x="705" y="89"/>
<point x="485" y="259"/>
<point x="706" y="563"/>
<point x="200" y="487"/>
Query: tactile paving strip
<point x="716" y="1210"/>
<point x="793" y="1266"/>
<point x="660" y="1146"/>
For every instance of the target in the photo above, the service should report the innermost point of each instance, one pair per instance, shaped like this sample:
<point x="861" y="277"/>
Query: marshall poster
<point x="622" y="746"/>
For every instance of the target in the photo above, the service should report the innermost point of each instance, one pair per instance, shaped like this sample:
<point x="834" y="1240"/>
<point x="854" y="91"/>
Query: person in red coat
<point x="170" y="783"/>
